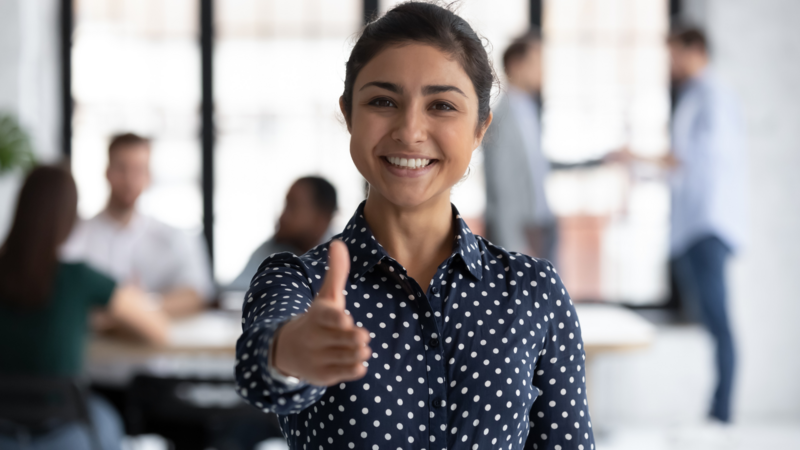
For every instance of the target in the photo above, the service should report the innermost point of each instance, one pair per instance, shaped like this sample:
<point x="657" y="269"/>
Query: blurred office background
<point x="241" y="99"/>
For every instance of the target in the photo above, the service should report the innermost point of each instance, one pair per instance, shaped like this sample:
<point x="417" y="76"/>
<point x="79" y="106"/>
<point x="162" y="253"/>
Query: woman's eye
<point x="382" y="103"/>
<point x="443" y="107"/>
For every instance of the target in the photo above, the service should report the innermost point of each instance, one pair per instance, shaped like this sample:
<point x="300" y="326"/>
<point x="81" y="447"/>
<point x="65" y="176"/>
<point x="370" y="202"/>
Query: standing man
<point x="708" y="186"/>
<point x="304" y="223"/>
<point x="134" y="248"/>
<point x="517" y="214"/>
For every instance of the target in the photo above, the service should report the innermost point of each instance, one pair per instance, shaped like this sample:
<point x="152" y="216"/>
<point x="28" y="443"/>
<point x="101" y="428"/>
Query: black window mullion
<point x="370" y="10"/>
<point x="535" y="14"/>
<point x="207" y="125"/>
<point x="65" y="28"/>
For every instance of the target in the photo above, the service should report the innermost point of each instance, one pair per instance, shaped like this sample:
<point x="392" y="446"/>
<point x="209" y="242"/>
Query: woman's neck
<point x="419" y="238"/>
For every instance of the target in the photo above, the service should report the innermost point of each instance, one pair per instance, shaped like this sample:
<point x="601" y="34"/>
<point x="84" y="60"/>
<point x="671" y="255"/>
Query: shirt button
<point x="435" y="289"/>
<point x="439" y="403"/>
<point x="434" y="342"/>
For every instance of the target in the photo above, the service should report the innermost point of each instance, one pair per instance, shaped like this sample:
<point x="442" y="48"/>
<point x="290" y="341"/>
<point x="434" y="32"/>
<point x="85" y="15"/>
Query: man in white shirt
<point x="518" y="216"/>
<point x="134" y="248"/>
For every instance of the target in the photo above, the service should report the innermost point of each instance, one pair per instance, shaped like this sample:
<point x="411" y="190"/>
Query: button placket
<point x="437" y="374"/>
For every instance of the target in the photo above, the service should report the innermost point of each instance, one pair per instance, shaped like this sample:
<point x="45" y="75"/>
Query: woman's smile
<point x="409" y="166"/>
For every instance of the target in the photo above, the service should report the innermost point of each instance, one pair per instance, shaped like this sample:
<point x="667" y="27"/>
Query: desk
<point x="609" y="328"/>
<point x="612" y="328"/>
<point x="202" y="346"/>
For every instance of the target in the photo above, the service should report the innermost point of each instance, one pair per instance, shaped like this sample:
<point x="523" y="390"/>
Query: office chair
<point x="31" y="405"/>
<point x="196" y="413"/>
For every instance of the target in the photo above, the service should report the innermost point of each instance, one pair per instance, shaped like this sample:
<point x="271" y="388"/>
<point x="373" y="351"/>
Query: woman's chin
<point x="407" y="197"/>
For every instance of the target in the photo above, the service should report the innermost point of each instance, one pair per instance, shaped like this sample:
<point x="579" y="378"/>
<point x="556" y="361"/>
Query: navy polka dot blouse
<point x="488" y="356"/>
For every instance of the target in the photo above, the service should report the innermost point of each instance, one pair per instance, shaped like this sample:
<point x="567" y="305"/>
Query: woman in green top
<point x="45" y="304"/>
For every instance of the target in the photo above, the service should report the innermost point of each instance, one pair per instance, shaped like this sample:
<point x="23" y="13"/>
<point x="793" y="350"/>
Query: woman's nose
<point x="410" y="128"/>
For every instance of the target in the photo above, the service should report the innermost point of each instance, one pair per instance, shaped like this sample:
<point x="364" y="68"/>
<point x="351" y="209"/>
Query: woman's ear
<point x="344" y="113"/>
<point x="482" y="131"/>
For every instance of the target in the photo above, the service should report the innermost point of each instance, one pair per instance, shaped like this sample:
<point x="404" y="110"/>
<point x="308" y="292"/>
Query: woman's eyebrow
<point x="396" y="88"/>
<point x="427" y="90"/>
<point x="439" y="88"/>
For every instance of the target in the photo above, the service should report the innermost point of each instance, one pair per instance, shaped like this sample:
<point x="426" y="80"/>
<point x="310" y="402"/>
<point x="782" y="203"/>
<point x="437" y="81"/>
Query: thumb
<point x="336" y="277"/>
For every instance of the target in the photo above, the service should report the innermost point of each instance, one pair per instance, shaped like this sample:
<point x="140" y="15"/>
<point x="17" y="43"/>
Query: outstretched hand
<point x="323" y="346"/>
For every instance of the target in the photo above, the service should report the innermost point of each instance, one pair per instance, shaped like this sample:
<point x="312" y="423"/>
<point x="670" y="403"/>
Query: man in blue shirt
<point x="708" y="196"/>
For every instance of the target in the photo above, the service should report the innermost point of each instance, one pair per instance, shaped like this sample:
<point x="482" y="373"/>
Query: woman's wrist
<point x="277" y="359"/>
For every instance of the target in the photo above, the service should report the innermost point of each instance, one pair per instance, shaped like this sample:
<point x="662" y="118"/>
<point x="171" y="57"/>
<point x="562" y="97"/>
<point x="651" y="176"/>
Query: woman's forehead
<point x="412" y="66"/>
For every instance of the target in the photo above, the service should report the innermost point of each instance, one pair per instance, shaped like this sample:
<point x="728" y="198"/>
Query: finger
<point x="330" y="316"/>
<point x="344" y="355"/>
<point x="338" y="373"/>
<point x="336" y="277"/>
<point x="352" y="337"/>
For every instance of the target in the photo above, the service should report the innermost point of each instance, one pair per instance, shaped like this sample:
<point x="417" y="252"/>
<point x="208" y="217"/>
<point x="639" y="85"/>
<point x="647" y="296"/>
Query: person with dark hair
<point x="517" y="213"/>
<point x="304" y="223"/>
<point x="406" y="330"/>
<point x="45" y="303"/>
<point x="708" y="184"/>
<point x="135" y="248"/>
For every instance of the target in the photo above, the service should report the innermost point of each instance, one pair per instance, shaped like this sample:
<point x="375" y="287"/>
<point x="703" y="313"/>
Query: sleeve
<point x="98" y="286"/>
<point x="559" y="417"/>
<point x="280" y="291"/>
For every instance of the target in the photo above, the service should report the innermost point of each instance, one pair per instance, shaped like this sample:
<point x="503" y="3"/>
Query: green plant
<point x="15" y="145"/>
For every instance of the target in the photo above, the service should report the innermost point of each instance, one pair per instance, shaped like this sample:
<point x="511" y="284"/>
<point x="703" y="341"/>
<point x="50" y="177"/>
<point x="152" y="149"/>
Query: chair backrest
<point x="36" y="402"/>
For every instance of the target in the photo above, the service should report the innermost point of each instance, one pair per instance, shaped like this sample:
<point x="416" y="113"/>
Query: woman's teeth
<point x="408" y="163"/>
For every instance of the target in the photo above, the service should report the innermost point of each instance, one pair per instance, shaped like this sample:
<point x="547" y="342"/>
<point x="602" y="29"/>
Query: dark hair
<point x="689" y="37"/>
<point x="121" y="140"/>
<point x="323" y="192"/>
<point x="428" y="24"/>
<point x="520" y="46"/>
<point x="46" y="212"/>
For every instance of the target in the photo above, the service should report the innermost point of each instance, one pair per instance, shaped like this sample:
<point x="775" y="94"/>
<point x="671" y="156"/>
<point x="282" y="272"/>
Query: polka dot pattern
<point x="488" y="356"/>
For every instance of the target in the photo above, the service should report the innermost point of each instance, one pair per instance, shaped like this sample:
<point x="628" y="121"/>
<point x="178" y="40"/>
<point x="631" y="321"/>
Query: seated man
<point x="304" y="223"/>
<point x="136" y="249"/>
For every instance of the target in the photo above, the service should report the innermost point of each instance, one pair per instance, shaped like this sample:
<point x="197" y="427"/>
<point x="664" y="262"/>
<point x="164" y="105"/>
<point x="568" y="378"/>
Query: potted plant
<point x="15" y="146"/>
<point x="16" y="158"/>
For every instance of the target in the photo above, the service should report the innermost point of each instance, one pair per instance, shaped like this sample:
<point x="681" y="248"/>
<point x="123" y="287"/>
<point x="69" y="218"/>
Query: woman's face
<point x="413" y="123"/>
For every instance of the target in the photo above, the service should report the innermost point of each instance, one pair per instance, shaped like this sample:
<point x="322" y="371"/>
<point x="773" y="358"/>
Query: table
<point x="201" y="346"/>
<point x="204" y="345"/>
<point x="613" y="328"/>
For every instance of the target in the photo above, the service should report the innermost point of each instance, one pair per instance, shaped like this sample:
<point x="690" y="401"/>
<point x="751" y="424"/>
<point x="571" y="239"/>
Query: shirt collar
<point x="366" y="252"/>
<point x="137" y="221"/>
<point x="696" y="81"/>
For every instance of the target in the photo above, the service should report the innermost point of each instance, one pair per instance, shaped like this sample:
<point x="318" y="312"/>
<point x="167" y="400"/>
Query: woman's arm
<point x="560" y="416"/>
<point x="130" y="307"/>
<point x="279" y="292"/>
<point x="322" y="346"/>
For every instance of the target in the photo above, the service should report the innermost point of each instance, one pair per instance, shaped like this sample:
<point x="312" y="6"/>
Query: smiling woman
<point x="406" y="318"/>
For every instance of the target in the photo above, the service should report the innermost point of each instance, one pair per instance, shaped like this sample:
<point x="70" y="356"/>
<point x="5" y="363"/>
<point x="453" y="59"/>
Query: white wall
<point x="756" y="48"/>
<point x="29" y="83"/>
<point x="756" y="51"/>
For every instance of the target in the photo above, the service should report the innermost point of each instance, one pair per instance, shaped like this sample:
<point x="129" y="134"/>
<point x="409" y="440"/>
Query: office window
<point x="278" y="71"/>
<point x="278" y="75"/>
<point x="606" y="88"/>
<point x="136" y="67"/>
